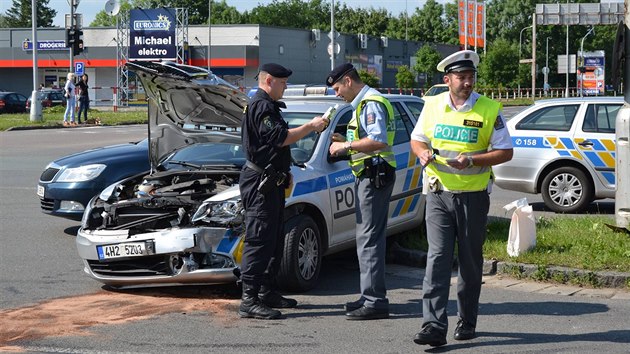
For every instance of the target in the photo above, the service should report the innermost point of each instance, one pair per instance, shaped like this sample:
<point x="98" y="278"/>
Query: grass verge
<point x="53" y="117"/>
<point x="582" y="243"/>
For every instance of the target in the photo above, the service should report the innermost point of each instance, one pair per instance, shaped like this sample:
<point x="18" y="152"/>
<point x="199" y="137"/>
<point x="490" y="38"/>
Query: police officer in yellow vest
<point x="368" y="142"/>
<point x="458" y="137"/>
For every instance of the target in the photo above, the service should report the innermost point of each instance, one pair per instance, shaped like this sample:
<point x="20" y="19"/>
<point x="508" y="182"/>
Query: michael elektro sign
<point x="152" y="34"/>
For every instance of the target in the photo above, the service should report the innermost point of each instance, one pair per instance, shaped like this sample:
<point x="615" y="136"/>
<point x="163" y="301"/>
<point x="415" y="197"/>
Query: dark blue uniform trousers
<point x="451" y="218"/>
<point x="264" y="230"/>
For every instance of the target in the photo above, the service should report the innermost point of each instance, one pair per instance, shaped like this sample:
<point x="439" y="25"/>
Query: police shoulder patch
<point x="267" y="122"/>
<point x="371" y="118"/>
<point x="498" y="124"/>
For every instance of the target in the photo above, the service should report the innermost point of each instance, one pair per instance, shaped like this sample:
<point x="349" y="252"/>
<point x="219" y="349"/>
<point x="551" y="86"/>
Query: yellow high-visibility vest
<point x="454" y="133"/>
<point x="357" y="159"/>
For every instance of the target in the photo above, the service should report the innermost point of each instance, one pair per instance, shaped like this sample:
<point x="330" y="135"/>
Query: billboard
<point x="152" y="34"/>
<point x="590" y="80"/>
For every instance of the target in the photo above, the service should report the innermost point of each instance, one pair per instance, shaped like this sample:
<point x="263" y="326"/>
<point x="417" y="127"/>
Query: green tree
<point x="427" y="24"/>
<point x="451" y="31"/>
<point x="368" y="78"/>
<point x="359" y="20"/>
<point x="404" y="77"/>
<point x="497" y="67"/>
<point x="102" y="19"/>
<point x="290" y="13"/>
<point x="427" y="59"/>
<point x="19" y="15"/>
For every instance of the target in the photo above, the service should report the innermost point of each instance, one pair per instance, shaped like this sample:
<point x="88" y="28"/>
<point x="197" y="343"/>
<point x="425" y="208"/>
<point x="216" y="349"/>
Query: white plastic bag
<point x="522" y="235"/>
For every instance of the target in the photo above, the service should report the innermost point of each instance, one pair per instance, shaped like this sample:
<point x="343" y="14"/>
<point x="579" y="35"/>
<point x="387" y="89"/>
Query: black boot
<point x="252" y="307"/>
<point x="272" y="298"/>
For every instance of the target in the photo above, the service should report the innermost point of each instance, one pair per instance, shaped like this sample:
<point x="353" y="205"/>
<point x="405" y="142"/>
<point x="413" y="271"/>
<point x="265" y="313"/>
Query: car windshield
<point x="436" y="90"/>
<point x="302" y="150"/>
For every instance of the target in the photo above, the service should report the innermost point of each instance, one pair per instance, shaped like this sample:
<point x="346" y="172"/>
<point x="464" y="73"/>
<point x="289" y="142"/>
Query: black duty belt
<point x="254" y="167"/>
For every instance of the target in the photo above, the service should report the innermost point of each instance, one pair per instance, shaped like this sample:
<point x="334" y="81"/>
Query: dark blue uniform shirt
<point x="264" y="130"/>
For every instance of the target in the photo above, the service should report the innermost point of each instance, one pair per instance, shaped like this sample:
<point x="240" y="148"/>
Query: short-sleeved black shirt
<point x="264" y="130"/>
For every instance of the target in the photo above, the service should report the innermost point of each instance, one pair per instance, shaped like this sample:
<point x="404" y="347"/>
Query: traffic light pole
<point x="73" y="26"/>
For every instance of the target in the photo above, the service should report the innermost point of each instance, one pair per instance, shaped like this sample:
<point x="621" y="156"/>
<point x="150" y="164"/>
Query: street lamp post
<point x="520" y="39"/>
<point x="582" y="55"/>
<point x="546" y="86"/>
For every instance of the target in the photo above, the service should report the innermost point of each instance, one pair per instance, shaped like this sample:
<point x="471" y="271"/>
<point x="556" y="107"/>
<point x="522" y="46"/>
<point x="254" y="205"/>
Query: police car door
<point x="595" y="140"/>
<point x="407" y="202"/>
<point x="341" y="182"/>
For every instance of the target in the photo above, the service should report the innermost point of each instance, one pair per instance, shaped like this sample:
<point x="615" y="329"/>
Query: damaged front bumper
<point x="176" y="256"/>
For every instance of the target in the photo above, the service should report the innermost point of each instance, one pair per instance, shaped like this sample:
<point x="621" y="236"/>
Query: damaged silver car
<point x="168" y="226"/>
<point x="182" y="222"/>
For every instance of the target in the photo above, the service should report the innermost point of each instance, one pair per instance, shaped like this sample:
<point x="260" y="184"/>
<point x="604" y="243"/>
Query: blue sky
<point x="89" y="8"/>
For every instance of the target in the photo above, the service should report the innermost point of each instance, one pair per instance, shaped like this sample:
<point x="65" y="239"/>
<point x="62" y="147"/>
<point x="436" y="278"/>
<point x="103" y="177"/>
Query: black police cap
<point x="338" y="72"/>
<point x="276" y="70"/>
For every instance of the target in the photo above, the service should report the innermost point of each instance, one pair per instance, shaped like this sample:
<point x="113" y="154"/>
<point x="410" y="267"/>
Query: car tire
<point x="302" y="257"/>
<point x="567" y="190"/>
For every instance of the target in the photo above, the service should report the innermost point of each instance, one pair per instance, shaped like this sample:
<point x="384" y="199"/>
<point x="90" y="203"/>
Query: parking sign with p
<point x="79" y="68"/>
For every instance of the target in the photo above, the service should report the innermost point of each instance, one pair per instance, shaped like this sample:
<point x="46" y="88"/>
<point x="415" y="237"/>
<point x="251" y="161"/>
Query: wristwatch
<point x="470" y="161"/>
<point x="348" y="145"/>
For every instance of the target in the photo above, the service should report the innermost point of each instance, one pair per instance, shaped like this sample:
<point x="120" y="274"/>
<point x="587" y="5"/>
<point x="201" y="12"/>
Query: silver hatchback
<point x="564" y="149"/>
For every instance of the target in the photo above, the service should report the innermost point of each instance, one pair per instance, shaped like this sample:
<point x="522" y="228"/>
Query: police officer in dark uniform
<point x="266" y="140"/>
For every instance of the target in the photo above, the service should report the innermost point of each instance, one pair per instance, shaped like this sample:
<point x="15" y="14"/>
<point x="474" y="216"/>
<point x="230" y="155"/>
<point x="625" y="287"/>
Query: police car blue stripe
<point x="310" y="186"/>
<point x="594" y="158"/>
<point x="564" y="153"/>
<point x="398" y="207"/>
<point x="227" y="242"/>
<point x="610" y="177"/>
<point x="408" y="178"/>
<point x="414" y="202"/>
<point x="402" y="160"/>
<point x="597" y="145"/>
<point x="340" y="178"/>
<point x="568" y="143"/>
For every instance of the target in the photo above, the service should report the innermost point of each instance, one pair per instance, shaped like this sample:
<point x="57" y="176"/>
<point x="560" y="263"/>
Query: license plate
<point x="40" y="191"/>
<point x="131" y="249"/>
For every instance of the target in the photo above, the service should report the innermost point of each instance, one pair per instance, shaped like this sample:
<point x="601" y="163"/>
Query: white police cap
<point x="464" y="60"/>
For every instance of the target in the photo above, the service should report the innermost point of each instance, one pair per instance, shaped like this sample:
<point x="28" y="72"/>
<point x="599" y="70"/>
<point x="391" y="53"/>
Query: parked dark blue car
<point x="68" y="183"/>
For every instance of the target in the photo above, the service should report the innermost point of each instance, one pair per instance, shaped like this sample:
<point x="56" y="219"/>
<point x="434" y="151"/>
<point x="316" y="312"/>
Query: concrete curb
<point x="615" y="280"/>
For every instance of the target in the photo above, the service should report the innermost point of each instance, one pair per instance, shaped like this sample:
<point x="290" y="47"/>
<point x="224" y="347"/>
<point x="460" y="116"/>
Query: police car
<point x="182" y="222"/>
<point x="564" y="149"/>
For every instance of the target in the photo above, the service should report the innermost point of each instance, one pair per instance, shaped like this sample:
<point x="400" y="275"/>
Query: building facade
<point x="236" y="52"/>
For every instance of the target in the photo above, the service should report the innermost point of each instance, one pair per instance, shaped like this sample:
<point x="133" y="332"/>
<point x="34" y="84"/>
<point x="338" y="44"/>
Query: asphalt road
<point x="47" y="304"/>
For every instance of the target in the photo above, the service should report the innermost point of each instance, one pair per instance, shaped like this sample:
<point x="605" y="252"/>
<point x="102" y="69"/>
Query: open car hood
<point x="188" y="105"/>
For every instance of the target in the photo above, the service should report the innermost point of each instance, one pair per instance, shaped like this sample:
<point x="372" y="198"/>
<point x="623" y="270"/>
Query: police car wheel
<point x="302" y="258"/>
<point x="567" y="190"/>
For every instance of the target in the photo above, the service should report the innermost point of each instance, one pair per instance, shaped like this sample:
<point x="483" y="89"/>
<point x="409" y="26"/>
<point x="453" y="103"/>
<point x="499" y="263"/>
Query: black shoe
<point x="252" y="307"/>
<point x="367" y="313"/>
<point x="353" y="305"/>
<point x="431" y="336"/>
<point x="464" y="331"/>
<point x="275" y="300"/>
<point x="258" y="310"/>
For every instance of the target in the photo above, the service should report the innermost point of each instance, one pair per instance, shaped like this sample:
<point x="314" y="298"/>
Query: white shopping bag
<point x="522" y="235"/>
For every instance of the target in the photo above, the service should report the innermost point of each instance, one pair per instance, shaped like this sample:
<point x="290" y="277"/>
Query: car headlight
<point x="113" y="190"/>
<point x="229" y="212"/>
<point x="81" y="174"/>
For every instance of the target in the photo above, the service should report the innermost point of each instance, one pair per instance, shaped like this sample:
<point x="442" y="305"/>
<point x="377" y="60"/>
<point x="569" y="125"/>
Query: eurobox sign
<point x="152" y="34"/>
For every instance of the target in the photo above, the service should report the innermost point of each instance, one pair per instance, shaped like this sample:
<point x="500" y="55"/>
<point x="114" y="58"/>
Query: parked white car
<point x="182" y="222"/>
<point x="565" y="149"/>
